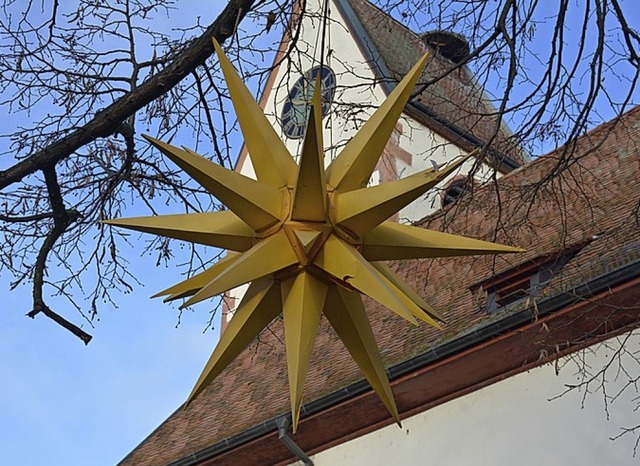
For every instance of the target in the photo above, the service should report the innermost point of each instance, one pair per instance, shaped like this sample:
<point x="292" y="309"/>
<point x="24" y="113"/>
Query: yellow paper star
<point x="308" y="239"/>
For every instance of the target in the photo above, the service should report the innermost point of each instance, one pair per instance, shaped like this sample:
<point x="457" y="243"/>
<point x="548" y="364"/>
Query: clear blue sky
<point x="64" y="403"/>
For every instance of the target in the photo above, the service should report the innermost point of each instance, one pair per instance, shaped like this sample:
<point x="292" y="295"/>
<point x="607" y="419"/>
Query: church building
<point x="529" y="368"/>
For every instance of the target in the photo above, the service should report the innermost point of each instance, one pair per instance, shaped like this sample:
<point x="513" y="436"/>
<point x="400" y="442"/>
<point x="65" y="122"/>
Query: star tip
<point x="431" y="320"/>
<point x="421" y="64"/>
<point x="457" y="163"/>
<point x="153" y="141"/>
<point x="317" y="93"/>
<point x="437" y="325"/>
<point x="189" y="302"/>
<point x="189" y="401"/>
<point x="157" y="295"/>
<point x="295" y="419"/>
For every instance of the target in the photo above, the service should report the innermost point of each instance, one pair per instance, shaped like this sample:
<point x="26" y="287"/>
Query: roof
<point x="453" y="105"/>
<point x="589" y="207"/>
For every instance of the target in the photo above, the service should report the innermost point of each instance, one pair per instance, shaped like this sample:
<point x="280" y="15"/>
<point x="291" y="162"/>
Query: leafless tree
<point x="81" y="81"/>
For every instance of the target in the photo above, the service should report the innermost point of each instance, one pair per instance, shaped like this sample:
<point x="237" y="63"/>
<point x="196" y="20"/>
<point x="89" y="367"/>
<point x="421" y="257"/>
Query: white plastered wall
<point x="514" y="422"/>
<point x="426" y="147"/>
<point x="355" y="97"/>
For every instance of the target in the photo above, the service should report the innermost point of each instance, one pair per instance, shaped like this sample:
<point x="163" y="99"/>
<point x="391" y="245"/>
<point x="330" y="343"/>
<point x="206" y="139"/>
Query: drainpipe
<point x="283" y="426"/>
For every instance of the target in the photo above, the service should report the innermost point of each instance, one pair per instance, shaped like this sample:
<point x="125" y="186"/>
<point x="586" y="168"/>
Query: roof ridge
<point x="387" y="16"/>
<point x="601" y="127"/>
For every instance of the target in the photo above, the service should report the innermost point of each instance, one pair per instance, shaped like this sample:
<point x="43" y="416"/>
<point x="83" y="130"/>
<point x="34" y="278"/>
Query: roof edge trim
<point x="366" y="46"/>
<point x="503" y="162"/>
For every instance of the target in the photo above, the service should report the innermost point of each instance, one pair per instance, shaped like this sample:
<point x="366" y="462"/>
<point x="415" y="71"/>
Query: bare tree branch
<point x="107" y="121"/>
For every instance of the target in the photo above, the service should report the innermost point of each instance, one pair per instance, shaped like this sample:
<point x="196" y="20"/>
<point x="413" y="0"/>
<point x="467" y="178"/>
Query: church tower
<point x="364" y="53"/>
<point x="360" y="53"/>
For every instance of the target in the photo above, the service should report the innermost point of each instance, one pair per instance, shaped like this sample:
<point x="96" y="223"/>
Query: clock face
<point x="296" y="108"/>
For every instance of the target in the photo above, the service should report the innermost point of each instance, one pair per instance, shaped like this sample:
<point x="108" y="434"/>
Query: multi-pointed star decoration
<point x="309" y="239"/>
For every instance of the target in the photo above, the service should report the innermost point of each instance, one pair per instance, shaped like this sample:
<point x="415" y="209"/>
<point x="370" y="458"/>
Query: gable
<point x="453" y="105"/>
<point x="363" y="80"/>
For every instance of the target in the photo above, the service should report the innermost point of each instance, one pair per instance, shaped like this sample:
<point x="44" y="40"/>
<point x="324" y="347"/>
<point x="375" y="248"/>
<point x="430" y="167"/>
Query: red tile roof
<point x="590" y="200"/>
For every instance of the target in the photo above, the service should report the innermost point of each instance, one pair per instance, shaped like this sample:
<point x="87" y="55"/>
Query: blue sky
<point x="64" y="403"/>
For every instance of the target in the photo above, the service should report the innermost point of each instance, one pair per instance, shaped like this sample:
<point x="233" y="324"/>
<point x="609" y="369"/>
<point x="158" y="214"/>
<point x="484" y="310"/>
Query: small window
<point x="512" y="291"/>
<point x="454" y="191"/>
<point x="514" y="287"/>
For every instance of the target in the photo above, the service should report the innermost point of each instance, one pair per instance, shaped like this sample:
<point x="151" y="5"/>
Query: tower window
<point x="452" y="192"/>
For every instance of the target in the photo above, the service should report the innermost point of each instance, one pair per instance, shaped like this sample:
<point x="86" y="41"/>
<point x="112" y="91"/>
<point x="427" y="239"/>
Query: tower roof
<point x="453" y="105"/>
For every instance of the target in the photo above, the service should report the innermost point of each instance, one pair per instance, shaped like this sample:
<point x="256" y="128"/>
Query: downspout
<point x="283" y="426"/>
